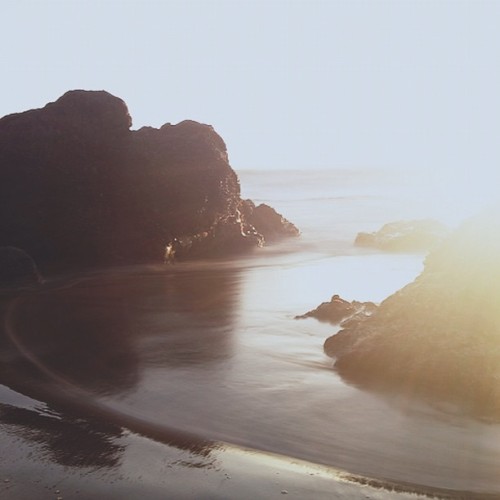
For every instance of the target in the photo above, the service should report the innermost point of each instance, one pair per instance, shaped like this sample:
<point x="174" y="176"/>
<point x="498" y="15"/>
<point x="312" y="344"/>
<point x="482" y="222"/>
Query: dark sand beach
<point x="52" y="455"/>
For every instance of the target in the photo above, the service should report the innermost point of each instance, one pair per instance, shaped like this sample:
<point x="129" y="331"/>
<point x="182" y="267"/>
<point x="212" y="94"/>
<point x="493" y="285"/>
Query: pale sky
<point x="288" y="84"/>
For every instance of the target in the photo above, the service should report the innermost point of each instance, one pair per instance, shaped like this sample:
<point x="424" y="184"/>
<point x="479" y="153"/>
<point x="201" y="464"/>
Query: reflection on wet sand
<point x="69" y="440"/>
<point x="183" y="362"/>
<point x="98" y="334"/>
<point x="71" y="345"/>
<point x="194" y="322"/>
<point x="82" y="343"/>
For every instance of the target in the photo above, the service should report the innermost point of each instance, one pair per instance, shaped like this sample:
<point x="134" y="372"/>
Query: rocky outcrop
<point x="272" y="225"/>
<point x="404" y="236"/>
<point x="78" y="188"/>
<point x="439" y="337"/>
<point x="339" y="310"/>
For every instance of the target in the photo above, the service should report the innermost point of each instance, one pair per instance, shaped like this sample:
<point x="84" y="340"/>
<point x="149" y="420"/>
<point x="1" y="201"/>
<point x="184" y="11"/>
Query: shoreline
<point x="224" y="469"/>
<point x="192" y="461"/>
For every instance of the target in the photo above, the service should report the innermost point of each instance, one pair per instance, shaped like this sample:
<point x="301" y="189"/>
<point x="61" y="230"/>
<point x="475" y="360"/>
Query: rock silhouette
<point x="79" y="189"/>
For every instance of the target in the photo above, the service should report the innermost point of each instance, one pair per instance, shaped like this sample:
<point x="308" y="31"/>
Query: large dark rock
<point x="438" y="337"/>
<point x="78" y="188"/>
<point x="404" y="236"/>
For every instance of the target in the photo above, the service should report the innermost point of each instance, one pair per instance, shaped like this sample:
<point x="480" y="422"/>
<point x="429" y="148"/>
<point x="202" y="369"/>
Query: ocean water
<point x="212" y="347"/>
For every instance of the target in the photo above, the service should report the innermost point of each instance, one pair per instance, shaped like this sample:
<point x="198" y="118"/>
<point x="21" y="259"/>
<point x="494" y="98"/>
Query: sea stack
<point x="79" y="188"/>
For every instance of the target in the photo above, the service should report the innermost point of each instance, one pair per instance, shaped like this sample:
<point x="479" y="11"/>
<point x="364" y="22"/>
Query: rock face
<point x="338" y="310"/>
<point x="439" y="337"/>
<point x="404" y="236"/>
<point x="78" y="188"/>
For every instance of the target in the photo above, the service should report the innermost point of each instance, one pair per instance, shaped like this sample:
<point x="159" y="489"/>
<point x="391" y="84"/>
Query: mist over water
<point x="351" y="198"/>
<point x="212" y="347"/>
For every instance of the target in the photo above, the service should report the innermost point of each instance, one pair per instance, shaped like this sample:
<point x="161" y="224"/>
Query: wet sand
<point x="46" y="454"/>
<point x="100" y="426"/>
<point x="194" y="381"/>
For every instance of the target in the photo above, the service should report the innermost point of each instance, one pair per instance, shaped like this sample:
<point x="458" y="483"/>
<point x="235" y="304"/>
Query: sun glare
<point x="450" y="196"/>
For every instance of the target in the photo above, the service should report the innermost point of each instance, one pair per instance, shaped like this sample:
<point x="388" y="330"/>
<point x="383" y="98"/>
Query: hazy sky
<point x="405" y="84"/>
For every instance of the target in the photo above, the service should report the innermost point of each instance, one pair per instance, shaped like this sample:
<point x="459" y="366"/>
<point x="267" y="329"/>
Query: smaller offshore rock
<point x="338" y="310"/>
<point x="267" y="222"/>
<point x="404" y="236"/>
<point x="17" y="269"/>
